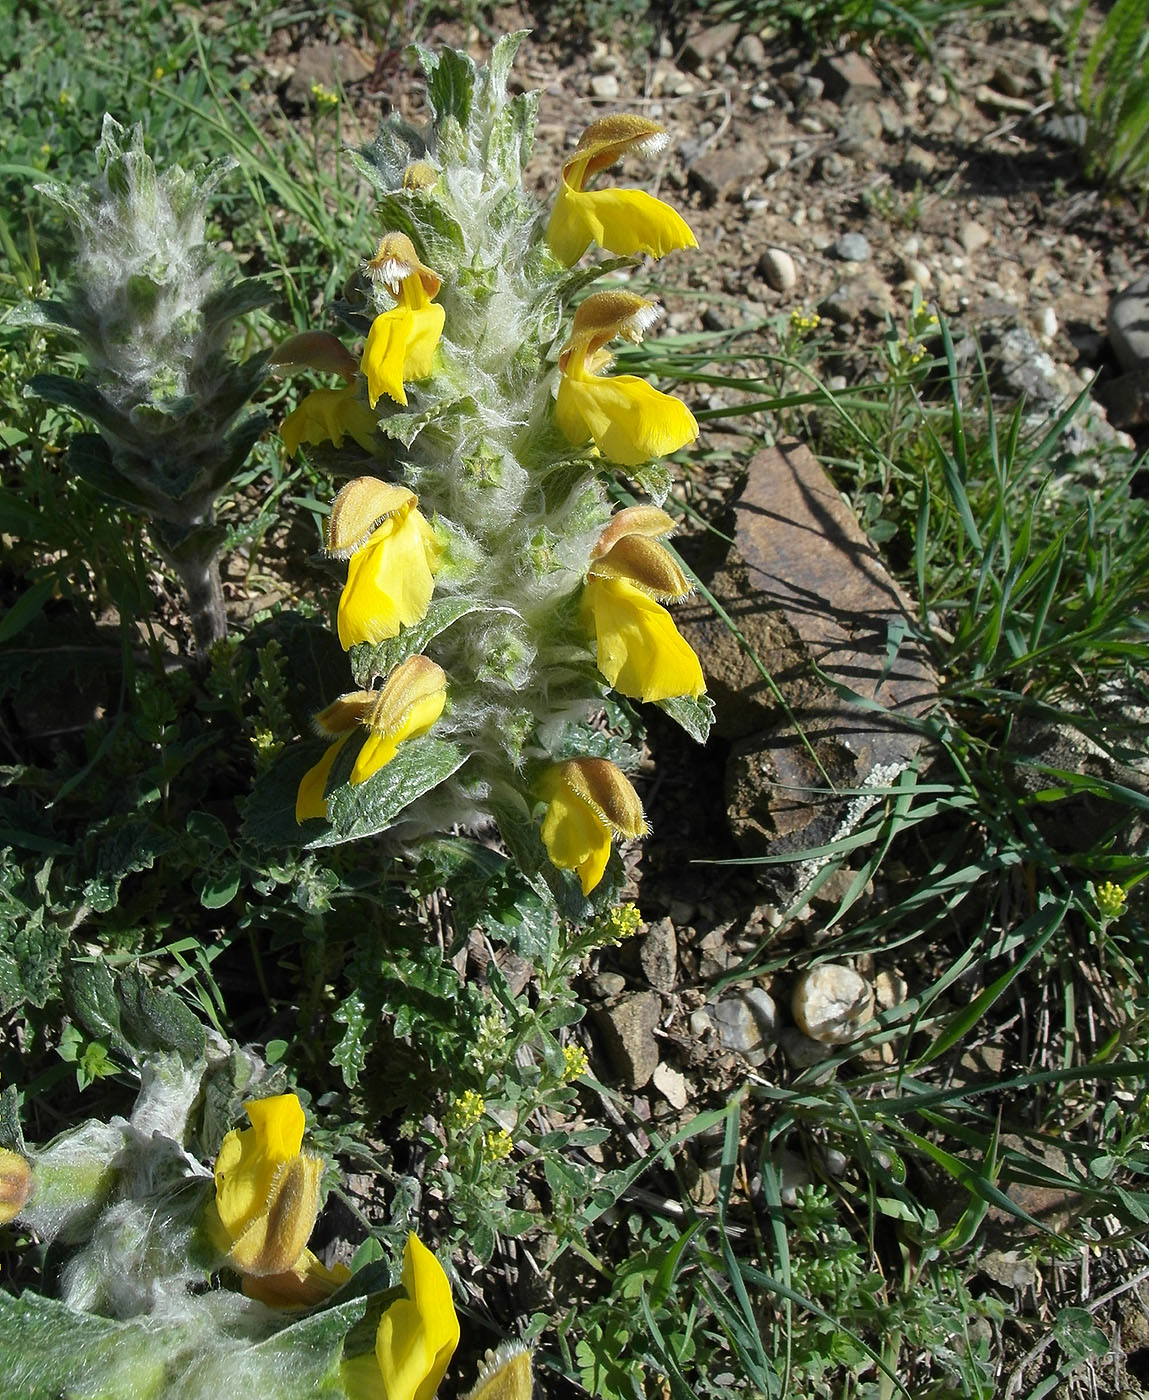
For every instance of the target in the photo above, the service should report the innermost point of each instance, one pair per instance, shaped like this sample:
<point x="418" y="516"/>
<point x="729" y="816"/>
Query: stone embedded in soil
<point x="776" y="267"/>
<point x="852" y="247"/>
<point x="627" y="1029"/>
<point x="722" y="174"/>
<point x="1128" y="325"/>
<point x="331" y="66"/>
<point x="671" y="1084"/>
<point x="1126" y="399"/>
<point x="746" y="1021"/>
<point x="832" y="1004"/>
<point x="847" y="77"/>
<point x="658" y="955"/>
<point x="800" y="1050"/>
<point x="806" y="589"/>
<point x="706" y="45"/>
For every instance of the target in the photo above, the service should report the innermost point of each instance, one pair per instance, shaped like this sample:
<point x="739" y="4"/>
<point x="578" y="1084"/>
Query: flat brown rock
<point x="820" y="621"/>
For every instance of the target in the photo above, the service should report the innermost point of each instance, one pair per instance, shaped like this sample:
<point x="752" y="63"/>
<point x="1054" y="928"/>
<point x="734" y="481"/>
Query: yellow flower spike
<point x="16" y="1184"/>
<point x="266" y="1189"/>
<point x="410" y="702"/>
<point x="621" y="221"/>
<point x="588" y="800"/>
<point x="401" y="342"/>
<point x="641" y="653"/>
<point x="319" y="350"/>
<point x="328" y="415"/>
<point x="628" y="420"/>
<point x="393" y="553"/>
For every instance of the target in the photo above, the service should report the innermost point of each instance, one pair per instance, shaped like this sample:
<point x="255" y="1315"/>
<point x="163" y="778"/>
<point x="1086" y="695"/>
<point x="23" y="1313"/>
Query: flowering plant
<point x="493" y="596"/>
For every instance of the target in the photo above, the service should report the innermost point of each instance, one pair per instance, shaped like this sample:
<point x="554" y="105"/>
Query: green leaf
<point x="368" y="662"/>
<point x="90" y="457"/>
<point x="86" y="401"/>
<point x="219" y="888"/>
<point x="28" y="606"/>
<point x="236" y="300"/>
<point x="695" y="716"/>
<point x="134" y="1017"/>
<point x="450" y="82"/>
<point x="350" y="1054"/>
<point x="373" y="806"/>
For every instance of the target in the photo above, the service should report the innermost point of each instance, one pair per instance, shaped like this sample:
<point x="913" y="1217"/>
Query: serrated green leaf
<point x="368" y="661"/>
<point x="86" y="401"/>
<point x="89" y="456"/>
<point x="450" y="83"/>
<point x="350" y="1054"/>
<point x="695" y="716"/>
<point x="406" y="427"/>
<point x="372" y="807"/>
<point x="436" y="236"/>
<point x="238" y="299"/>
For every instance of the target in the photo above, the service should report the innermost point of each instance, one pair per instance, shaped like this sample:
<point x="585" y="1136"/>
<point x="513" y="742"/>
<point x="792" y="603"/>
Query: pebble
<point x="776" y="266"/>
<point x="671" y="1085"/>
<point x="1049" y="323"/>
<point x="700" y="1023"/>
<point x="891" y="989"/>
<point x="852" y="247"/>
<point x="746" y="1020"/>
<point x="1128" y="324"/>
<point x="605" y="86"/>
<point x="973" y="236"/>
<point x="832" y="1003"/>
<point x="918" y="272"/>
<point x="799" y="1049"/>
<point x="750" y="51"/>
<point x="658" y="954"/>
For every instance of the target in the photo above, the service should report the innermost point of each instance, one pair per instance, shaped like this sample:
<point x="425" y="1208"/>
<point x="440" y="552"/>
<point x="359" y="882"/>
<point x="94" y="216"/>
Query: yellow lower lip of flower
<point x="416" y="1339"/>
<point x="328" y="415"/>
<point x="621" y="221"/>
<point x="401" y="347"/>
<point x="628" y="419"/>
<point x="389" y="581"/>
<point x="641" y="653"/>
<point x="576" y="829"/>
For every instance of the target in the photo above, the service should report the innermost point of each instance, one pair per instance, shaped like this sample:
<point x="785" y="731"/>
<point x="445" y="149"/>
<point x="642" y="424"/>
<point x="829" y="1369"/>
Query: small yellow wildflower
<point x="1110" y="900"/>
<point x="623" y="921"/>
<point x="803" y="321"/>
<point x="324" y="97"/>
<point x="498" y="1144"/>
<point x="575" y="1063"/>
<point x="588" y="801"/>
<point x="158" y="74"/>
<point x="464" y="1113"/>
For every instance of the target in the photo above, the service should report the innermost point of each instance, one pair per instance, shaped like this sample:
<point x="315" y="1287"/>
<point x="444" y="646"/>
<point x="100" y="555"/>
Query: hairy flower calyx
<point x="622" y="221"/>
<point x="588" y="800"/>
<point x="318" y="350"/>
<point x="358" y="511"/>
<point x="628" y="549"/>
<point x="395" y="261"/>
<point x="16" y="1184"/>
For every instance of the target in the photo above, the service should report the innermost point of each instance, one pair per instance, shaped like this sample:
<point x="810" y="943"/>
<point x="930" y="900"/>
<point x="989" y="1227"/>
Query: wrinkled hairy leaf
<point x="369" y="662"/>
<point x="374" y="806"/>
<point x="134" y="1017"/>
<point x="695" y="716"/>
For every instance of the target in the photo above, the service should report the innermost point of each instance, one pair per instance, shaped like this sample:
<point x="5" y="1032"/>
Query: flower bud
<point x="419" y="176"/>
<point x="318" y="350"/>
<point x="16" y="1184"/>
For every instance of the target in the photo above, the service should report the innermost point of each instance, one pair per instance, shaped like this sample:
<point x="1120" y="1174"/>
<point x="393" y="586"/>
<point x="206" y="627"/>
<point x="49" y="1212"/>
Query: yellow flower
<point x="640" y="651"/>
<point x="393" y="556"/>
<point x="622" y="221"/>
<point x="498" y="1144"/>
<point x="328" y="415"/>
<point x="588" y="800"/>
<point x="401" y="343"/>
<point x="409" y="703"/>
<point x="628" y="420"/>
<point x="266" y="1189"/>
<point x="416" y="1338"/>
<point x="307" y="1284"/>
<point x="465" y="1112"/>
<point x="575" y="1063"/>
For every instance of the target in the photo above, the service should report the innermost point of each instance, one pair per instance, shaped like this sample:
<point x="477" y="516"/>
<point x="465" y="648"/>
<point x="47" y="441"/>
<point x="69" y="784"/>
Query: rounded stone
<point x="777" y="268"/>
<point x="1128" y="324"/>
<point x="852" y="247"/>
<point x="831" y="1004"/>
